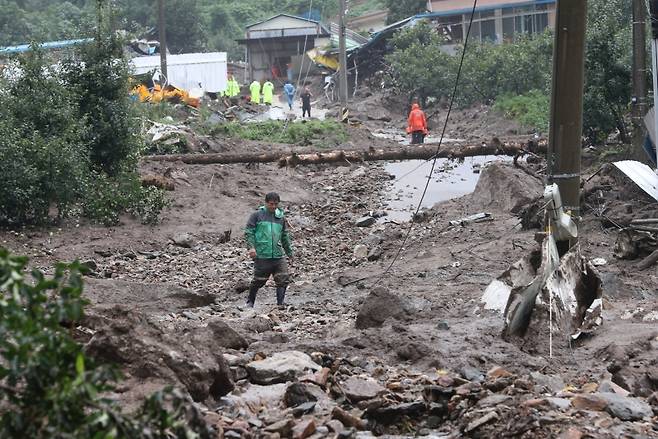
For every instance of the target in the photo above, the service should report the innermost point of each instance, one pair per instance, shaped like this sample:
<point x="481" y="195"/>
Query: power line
<point x="445" y="125"/>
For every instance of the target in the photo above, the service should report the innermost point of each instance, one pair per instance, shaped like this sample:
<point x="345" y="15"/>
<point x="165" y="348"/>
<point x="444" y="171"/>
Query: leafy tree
<point x="49" y="388"/>
<point x="401" y="9"/>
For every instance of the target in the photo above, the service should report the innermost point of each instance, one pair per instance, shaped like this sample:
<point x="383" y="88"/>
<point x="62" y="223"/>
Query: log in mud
<point x="403" y="153"/>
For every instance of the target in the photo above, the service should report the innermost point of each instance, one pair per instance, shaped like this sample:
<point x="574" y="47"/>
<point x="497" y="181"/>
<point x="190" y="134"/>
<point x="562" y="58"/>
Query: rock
<point x="375" y="253"/>
<point x="280" y="367"/>
<point x="284" y="427"/>
<point x="320" y="377"/>
<point x="303" y="429"/>
<point x="494" y="400"/>
<point x="381" y="305"/>
<point x="499" y="372"/>
<point x="625" y="408"/>
<point x="591" y="401"/>
<point x="348" y="419"/>
<point x="472" y="374"/>
<point x="184" y="240"/>
<point x="303" y="409"/>
<point x="607" y="386"/>
<point x="559" y="403"/>
<point x="492" y="190"/>
<point x="90" y="265"/>
<point x="412" y="351"/>
<point x="297" y="394"/>
<point x="378" y="114"/>
<point x="365" y="221"/>
<point x="481" y="421"/>
<point x="553" y="383"/>
<point x="194" y="359"/>
<point x="390" y="414"/>
<point x="359" y="389"/>
<point x="335" y="425"/>
<point x="442" y="326"/>
<point x="225" y="335"/>
<point x="360" y="251"/>
<point x="572" y="433"/>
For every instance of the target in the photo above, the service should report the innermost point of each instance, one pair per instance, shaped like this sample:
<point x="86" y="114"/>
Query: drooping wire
<point x="445" y="125"/>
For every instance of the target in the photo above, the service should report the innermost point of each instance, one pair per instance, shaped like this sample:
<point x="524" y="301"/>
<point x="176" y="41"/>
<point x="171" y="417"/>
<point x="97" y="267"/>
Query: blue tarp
<point x="48" y="46"/>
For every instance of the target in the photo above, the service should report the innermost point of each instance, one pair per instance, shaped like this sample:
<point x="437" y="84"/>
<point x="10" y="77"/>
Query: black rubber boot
<point x="251" y="300"/>
<point x="280" y="295"/>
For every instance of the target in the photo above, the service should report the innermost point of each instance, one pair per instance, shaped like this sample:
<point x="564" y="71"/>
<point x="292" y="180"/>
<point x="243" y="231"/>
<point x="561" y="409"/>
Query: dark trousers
<point x="305" y="110"/>
<point x="263" y="269"/>
<point x="417" y="137"/>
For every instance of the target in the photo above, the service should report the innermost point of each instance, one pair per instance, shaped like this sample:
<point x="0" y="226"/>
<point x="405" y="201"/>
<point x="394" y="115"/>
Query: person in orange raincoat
<point x="417" y="125"/>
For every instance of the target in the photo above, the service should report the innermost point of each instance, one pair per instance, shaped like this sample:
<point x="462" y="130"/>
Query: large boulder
<point x="191" y="358"/>
<point x="381" y="305"/>
<point x="505" y="188"/>
<point x="281" y="367"/>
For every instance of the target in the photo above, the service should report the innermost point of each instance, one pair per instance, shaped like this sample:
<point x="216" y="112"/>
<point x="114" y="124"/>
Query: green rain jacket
<point x="268" y="234"/>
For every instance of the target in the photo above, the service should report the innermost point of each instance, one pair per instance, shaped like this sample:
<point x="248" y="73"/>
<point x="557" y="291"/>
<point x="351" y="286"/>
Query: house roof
<point x="283" y="15"/>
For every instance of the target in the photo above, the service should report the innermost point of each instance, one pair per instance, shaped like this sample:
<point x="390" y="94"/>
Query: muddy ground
<point x="409" y="352"/>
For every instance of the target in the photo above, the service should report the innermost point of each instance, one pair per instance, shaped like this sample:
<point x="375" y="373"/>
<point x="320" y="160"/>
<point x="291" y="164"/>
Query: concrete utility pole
<point x="343" y="62"/>
<point x="639" y="75"/>
<point x="653" y="6"/>
<point x="565" y="136"/>
<point x="163" y="41"/>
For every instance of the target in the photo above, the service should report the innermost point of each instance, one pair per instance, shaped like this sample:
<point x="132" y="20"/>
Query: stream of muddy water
<point x="450" y="179"/>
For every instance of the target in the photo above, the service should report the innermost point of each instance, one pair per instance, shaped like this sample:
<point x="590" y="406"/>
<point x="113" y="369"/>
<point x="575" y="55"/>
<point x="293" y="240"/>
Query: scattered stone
<point x="551" y="382"/>
<point x="347" y="419"/>
<point x="572" y="433"/>
<point x="494" y="400"/>
<point x="184" y="240"/>
<point x="303" y="429"/>
<point x="225" y="335"/>
<point x="360" y="251"/>
<point x="391" y="413"/>
<point x="365" y="221"/>
<point x="625" y="408"/>
<point x="335" y="425"/>
<point x="499" y="372"/>
<point x="592" y="402"/>
<point x="280" y="367"/>
<point x="378" y="306"/>
<point x="559" y="403"/>
<point x="443" y="326"/>
<point x="298" y="394"/>
<point x="359" y="389"/>
<point x="283" y="427"/>
<point x="375" y="253"/>
<point x="491" y="416"/>
<point x="608" y="386"/>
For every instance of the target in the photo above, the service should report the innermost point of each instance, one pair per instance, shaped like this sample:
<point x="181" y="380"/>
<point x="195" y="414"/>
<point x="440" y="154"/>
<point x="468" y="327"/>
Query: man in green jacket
<point x="268" y="239"/>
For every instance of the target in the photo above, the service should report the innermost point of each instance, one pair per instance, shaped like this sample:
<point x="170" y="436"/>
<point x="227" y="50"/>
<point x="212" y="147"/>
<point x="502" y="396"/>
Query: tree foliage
<point x="419" y="67"/>
<point x="49" y="388"/>
<point x="68" y="144"/>
<point x="401" y="9"/>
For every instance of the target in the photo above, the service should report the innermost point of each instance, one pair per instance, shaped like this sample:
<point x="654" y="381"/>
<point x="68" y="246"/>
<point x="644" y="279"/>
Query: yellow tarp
<point x="328" y="61"/>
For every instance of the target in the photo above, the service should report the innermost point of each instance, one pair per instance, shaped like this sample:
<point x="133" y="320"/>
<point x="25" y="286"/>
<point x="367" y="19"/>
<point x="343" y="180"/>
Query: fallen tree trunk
<point x="402" y="153"/>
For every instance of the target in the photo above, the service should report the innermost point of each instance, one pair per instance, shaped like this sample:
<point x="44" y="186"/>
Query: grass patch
<point x="530" y="109"/>
<point x="323" y="133"/>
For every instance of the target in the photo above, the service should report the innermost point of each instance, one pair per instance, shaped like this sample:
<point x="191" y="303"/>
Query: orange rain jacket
<point x="417" y="121"/>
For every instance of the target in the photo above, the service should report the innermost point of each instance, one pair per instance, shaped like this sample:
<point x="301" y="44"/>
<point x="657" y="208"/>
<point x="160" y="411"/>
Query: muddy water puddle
<point x="450" y="179"/>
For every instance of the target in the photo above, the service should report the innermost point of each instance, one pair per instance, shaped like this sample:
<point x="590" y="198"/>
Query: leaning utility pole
<point x="163" y="41"/>
<point x="342" y="85"/>
<point x="639" y="75"/>
<point x="565" y="134"/>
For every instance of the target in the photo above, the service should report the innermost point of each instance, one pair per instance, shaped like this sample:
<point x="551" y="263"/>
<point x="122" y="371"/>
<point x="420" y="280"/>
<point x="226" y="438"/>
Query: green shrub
<point x="531" y="109"/>
<point x="49" y="387"/>
<point x="321" y="132"/>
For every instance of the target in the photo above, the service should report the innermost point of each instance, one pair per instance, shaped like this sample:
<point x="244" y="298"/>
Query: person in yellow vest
<point x="268" y="90"/>
<point x="255" y="92"/>
<point x="232" y="87"/>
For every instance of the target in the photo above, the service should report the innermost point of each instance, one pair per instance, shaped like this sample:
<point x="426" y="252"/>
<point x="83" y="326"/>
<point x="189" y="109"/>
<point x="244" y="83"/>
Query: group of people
<point x="264" y="93"/>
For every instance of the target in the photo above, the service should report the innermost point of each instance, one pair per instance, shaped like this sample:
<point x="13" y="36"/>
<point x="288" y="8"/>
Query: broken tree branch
<point x="402" y="153"/>
<point x="648" y="261"/>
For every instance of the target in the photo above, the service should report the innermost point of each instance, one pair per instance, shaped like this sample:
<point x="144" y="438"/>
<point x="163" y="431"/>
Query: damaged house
<point x="276" y="47"/>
